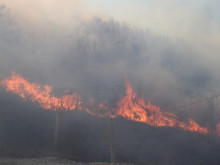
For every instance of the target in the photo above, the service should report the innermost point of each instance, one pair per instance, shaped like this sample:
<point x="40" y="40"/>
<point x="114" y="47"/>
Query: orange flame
<point x="34" y="92"/>
<point x="130" y="106"/>
<point x="133" y="108"/>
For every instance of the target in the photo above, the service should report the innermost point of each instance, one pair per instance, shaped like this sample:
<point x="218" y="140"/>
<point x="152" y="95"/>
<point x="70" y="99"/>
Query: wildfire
<point x="42" y="95"/>
<point x="130" y="106"/>
<point x="133" y="108"/>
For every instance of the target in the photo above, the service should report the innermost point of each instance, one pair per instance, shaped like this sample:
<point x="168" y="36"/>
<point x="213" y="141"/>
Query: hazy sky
<point x="197" y="21"/>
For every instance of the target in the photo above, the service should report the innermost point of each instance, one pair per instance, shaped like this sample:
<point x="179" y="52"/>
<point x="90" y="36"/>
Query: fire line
<point x="130" y="106"/>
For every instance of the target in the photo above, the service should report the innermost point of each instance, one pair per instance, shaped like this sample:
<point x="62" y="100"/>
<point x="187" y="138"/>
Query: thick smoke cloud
<point x="103" y="52"/>
<point x="92" y="59"/>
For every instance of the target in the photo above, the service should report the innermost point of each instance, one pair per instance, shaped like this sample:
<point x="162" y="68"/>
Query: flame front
<point x="32" y="91"/>
<point x="130" y="106"/>
<point x="133" y="108"/>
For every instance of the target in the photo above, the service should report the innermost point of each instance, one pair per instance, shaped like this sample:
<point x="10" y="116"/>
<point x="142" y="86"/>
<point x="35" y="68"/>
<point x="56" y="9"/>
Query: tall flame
<point x="34" y="92"/>
<point x="134" y="108"/>
<point x="130" y="106"/>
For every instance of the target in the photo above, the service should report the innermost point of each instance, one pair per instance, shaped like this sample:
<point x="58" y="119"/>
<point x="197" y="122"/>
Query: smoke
<point x="49" y="16"/>
<point x="92" y="57"/>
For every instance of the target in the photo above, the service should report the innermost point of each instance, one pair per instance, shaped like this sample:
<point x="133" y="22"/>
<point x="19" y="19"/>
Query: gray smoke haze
<point x="169" y="72"/>
<point x="92" y="58"/>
